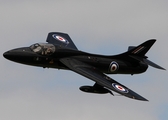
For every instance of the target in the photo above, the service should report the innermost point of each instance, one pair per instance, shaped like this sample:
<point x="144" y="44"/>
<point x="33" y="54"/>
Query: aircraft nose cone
<point x="7" y="55"/>
<point x="20" y="55"/>
<point x="16" y="54"/>
<point x="10" y="55"/>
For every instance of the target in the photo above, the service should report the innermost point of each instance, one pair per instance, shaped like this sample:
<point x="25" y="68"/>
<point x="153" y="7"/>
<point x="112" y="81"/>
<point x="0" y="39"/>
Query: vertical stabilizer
<point x="142" y="49"/>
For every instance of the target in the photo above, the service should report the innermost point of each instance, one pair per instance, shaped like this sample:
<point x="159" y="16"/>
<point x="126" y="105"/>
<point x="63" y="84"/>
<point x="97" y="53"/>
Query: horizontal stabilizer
<point x="153" y="64"/>
<point x="148" y="62"/>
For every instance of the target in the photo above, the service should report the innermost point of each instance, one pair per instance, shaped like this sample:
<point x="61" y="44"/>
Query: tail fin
<point x="142" y="49"/>
<point x="139" y="52"/>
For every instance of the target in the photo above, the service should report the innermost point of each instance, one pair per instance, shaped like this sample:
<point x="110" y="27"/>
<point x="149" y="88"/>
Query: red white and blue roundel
<point x="60" y="38"/>
<point x="113" y="66"/>
<point x="119" y="88"/>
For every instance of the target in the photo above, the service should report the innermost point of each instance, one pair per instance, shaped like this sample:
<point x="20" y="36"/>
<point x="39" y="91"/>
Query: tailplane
<point x="153" y="64"/>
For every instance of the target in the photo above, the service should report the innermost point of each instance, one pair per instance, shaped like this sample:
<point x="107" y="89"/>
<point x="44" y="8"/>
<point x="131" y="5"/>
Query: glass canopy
<point x="43" y="48"/>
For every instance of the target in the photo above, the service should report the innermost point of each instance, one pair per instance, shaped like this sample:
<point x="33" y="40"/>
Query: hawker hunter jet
<point x="60" y="52"/>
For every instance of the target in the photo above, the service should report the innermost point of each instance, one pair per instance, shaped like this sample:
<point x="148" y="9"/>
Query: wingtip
<point x="140" y="98"/>
<point x="145" y="100"/>
<point x="163" y="69"/>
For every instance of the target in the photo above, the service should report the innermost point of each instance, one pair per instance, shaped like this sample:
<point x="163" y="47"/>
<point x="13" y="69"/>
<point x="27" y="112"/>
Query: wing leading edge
<point x="100" y="78"/>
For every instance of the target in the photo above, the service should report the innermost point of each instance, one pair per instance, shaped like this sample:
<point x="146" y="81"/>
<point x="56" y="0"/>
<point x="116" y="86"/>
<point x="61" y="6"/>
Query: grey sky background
<point x="102" y="27"/>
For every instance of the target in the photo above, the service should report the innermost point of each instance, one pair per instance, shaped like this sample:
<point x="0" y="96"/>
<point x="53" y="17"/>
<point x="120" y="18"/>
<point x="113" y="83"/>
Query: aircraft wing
<point x="100" y="78"/>
<point x="61" y="39"/>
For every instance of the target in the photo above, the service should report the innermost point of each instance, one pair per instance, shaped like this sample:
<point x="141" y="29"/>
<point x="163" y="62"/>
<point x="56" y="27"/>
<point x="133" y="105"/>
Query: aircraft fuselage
<point x="106" y="64"/>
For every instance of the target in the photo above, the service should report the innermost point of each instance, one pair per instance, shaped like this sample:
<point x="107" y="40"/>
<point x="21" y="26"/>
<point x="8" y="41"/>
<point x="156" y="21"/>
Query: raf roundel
<point x="120" y="88"/>
<point x="113" y="66"/>
<point x="59" y="38"/>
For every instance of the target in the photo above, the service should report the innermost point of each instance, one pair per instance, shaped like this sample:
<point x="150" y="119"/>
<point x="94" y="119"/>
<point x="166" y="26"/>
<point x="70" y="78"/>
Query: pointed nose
<point x="11" y="55"/>
<point x="17" y="54"/>
<point x="7" y="55"/>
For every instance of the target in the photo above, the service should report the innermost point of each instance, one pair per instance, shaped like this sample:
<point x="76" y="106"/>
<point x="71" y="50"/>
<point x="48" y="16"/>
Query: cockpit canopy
<point x="43" y="48"/>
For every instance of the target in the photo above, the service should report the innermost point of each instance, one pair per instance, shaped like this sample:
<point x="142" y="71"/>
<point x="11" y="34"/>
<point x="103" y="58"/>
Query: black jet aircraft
<point x="60" y="52"/>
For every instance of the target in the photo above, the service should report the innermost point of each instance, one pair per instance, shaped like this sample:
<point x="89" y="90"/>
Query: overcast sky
<point x="96" y="26"/>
